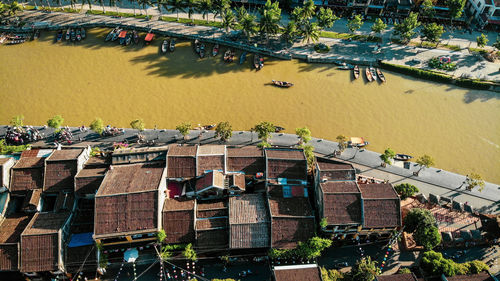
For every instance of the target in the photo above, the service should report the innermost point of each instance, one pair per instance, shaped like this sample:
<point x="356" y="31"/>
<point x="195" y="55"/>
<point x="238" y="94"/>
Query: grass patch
<point x="55" y="9"/>
<point x="451" y="47"/>
<point x="321" y="48"/>
<point x="347" y="36"/>
<point x="478" y="50"/>
<point x="195" y="22"/>
<point x="118" y="14"/>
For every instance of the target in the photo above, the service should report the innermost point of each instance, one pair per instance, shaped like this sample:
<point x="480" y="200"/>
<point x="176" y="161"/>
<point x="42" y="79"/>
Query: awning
<point x="81" y="239"/>
<point x="122" y="34"/>
<point x="375" y="6"/>
<point x="131" y="255"/>
<point x="149" y="37"/>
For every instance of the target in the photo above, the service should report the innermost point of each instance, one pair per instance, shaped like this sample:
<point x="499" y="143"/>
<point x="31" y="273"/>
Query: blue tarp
<point x="81" y="239"/>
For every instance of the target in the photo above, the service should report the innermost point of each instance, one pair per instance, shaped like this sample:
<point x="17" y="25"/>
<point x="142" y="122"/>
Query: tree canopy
<point x="378" y="26"/>
<point x="433" y="263"/>
<point x="270" y="16"/>
<point x="474" y="180"/>
<point x="326" y="18"/>
<point x="55" y="122"/>
<point x="365" y="269"/>
<point x="264" y="130"/>
<point x="406" y="29"/>
<point x="17" y="121"/>
<point x="342" y="140"/>
<point x="189" y="253"/>
<point x="388" y="155"/>
<point x="183" y="128"/>
<point x="418" y="217"/>
<point x="425" y="161"/>
<point x="224" y="131"/>
<point x="138" y="124"/>
<point x="355" y="23"/>
<point x="481" y="40"/>
<point x="456" y="7"/>
<point x="304" y="135"/>
<point x="406" y="190"/>
<point x="427" y="9"/>
<point x="428" y="237"/>
<point x="97" y="125"/>
<point x="432" y="32"/>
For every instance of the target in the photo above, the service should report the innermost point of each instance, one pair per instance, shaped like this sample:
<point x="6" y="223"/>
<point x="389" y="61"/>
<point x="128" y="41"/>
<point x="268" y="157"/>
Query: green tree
<point x="55" y="122"/>
<point x="189" y="253"/>
<point x="323" y="223"/>
<point x="432" y="32"/>
<point x="428" y="237"/>
<point x="9" y="149"/>
<point x="218" y="6"/>
<point x="183" y="129"/>
<point x="379" y="26"/>
<point x="17" y="121"/>
<point x="296" y="15"/>
<point x="310" y="31"/>
<point x="313" y="247"/>
<point x="474" y="180"/>
<point x="425" y="161"/>
<point x="165" y="253"/>
<point x="97" y="125"/>
<point x="175" y="6"/>
<point x="160" y="236"/>
<point x="241" y="12"/>
<point x="497" y="44"/>
<point x="434" y="264"/>
<point x="289" y="33"/>
<point x="355" y="23"/>
<point x="248" y="25"/>
<point x="192" y="7"/>
<point x="224" y="131"/>
<point x="144" y="4"/>
<point x="342" y="142"/>
<point x="138" y="124"/>
<point x="228" y="19"/>
<point x="418" y="217"/>
<point x="477" y="266"/>
<point x="309" y="152"/>
<point x="331" y="274"/>
<point x="404" y="270"/>
<point x="304" y="135"/>
<point x="264" y="144"/>
<point x="427" y="9"/>
<point x="326" y="18"/>
<point x="406" y="29"/>
<point x="365" y="269"/>
<point x="406" y="190"/>
<point x="264" y="130"/>
<point x="270" y="16"/>
<point x="481" y="40"/>
<point x="205" y="6"/>
<point x="456" y="7"/>
<point x="388" y="155"/>
<point x="308" y="10"/>
<point x="13" y="8"/>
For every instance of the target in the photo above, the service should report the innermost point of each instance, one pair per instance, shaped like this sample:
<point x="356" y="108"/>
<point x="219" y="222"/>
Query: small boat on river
<point x="149" y="37"/>
<point x="172" y="45"/>
<point x="128" y="38"/>
<point x="209" y="127"/>
<point x="215" y="50"/>
<point x="59" y="36"/>
<point x="355" y="72"/>
<point x="3" y="38"/>
<point x="36" y="34"/>
<point x="73" y="35"/>
<point x="16" y="41"/>
<point x="78" y="35"/>
<point x="282" y="84"/>
<point x="258" y="62"/>
<point x="357" y="142"/>
<point x="197" y="46"/>
<point x="68" y="34"/>
<point x="135" y="37"/>
<point x="374" y="73"/>
<point x="164" y="46"/>
<point x="122" y="36"/>
<point x="110" y="35"/>
<point x="368" y="75"/>
<point x="228" y="56"/>
<point x="278" y="129"/>
<point x="83" y="33"/>
<point x="402" y="157"/>
<point x="380" y="75"/>
<point x="345" y="66"/>
<point x="116" y="34"/>
<point x="243" y="57"/>
<point x="202" y="50"/>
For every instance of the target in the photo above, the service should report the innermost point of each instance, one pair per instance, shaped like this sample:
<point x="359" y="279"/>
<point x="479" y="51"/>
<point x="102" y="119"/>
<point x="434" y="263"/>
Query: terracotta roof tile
<point x="65" y="154"/>
<point x="287" y="232"/>
<point x="177" y="150"/>
<point x="26" y="179"/>
<point x="341" y="209"/>
<point x="248" y="208"/>
<point x="29" y="162"/>
<point x="378" y="190"/>
<point x="381" y="213"/>
<point x="245" y="151"/>
<point x="131" y="178"/>
<point x="209" y="163"/>
<point x="334" y="165"/>
<point x="12" y="227"/>
<point x="178" y="205"/>
<point x="211" y="150"/>
<point x="181" y="167"/>
<point x="293" y="273"/>
<point x="45" y="223"/>
<point x="483" y="276"/>
<point x="178" y="221"/>
<point x="340" y="187"/>
<point x="59" y="175"/>
<point x="295" y="206"/>
<point x="290" y="154"/>
<point x="4" y="160"/>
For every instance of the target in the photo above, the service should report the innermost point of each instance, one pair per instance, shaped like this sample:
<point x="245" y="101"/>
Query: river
<point x="459" y="128"/>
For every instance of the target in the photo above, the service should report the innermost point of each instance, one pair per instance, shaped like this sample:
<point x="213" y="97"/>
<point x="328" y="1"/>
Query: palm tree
<point x="145" y="4"/>
<point x="176" y="6"/>
<point x="160" y="4"/>
<point x="205" y="6"/>
<point x="101" y="2"/>
<point x="218" y="6"/>
<point x="192" y="7"/>
<point x="241" y="13"/>
<point x="308" y="10"/>
<point x="289" y="32"/>
<point x="13" y="8"/>
<point x="248" y="25"/>
<point x="310" y="31"/>
<point x="228" y="19"/>
<point x="270" y="16"/>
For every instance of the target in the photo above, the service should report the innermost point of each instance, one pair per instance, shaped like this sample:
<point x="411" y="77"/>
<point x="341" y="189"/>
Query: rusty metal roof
<point x="131" y="178"/>
<point x="65" y="154"/>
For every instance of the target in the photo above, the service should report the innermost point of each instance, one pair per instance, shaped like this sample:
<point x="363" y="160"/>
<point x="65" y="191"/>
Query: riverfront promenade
<point x="431" y="180"/>
<point x="468" y="65"/>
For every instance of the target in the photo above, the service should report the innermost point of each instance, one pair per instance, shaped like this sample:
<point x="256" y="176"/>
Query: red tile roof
<point x="131" y="178"/>
<point x="178" y="221"/>
<point x="181" y="167"/>
<point x="26" y="178"/>
<point x="381" y="213"/>
<point x="177" y="150"/>
<point x="209" y="163"/>
<point x="65" y="154"/>
<point x="4" y="160"/>
<point x="290" y="169"/>
<point x="214" y="178"/>
<point x="30" y="153"/>
<point x="211" y="150"/>
<point x="335" y="170"/>
<point x="290" y="154"/>
<point x="297" y="273"/>
<point x="237" y="180"/>
<point x="59" y="175"/>
<point x="483" y="276"/>
<point x="29" y="162"/>
<point x="288" y="231"/>
<point x="249" y="221"/>
<point x="334" y="165"/>
<point x="10" y="235"/>
<point x="339" y="187"/>
<point x="294" y="207"/>
<point x="88" y="180"/>
<point x="342" y="208"/>
<point x="378" y="190"/>
<point x="245" y="151"/>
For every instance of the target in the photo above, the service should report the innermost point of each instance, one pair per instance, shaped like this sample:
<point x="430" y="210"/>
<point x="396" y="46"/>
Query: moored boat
<point x="402" y="157"/>
<point x="164" y="46"/>
<point x="68" y="34"/>
<point x="345" y="66"/>
<point x="136" y="37"/>
<point x="258" y="62"/>
<point x="149" y="37"/>
<point x="215" y="50"/>
<point x="380" y="75"/>
<point x="228" y="55"/>
<point x="73" y="35"/>
<point x="116" y="34"/>
<point x="78" y="35"/>
<point x="374" y="73"/>
<point x="243" y="57"/>
<point x="197" y="46"/>
<point x="357" y="142"/>
<point x="282" y="84"/>
<point x="122" y="37"/>
<point x="59" y="36"/>
<point x="202" y="50"/>
<point x="110" y="34"/>
<point x="3" y="37"/>
<point x="36" y="34"/>
<point x="355" y="72"/>
<point x="16" y="41"/>
<point x="209" y="127"/>
<point x="83" y="33"/>
<point x="171" y="47"/>
<point x="128" y="38"/>
<point x="368" y="75"/>
<point x="278" y="129"/>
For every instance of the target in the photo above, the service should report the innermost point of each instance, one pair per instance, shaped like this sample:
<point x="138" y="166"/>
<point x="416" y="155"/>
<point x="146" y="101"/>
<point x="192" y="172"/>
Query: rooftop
<point x="4" y="160"/>
<point x="177" y="150"/>
<point x="65" y="154"/>
<point x="45" y="223"/>
<point x="305" y="272"/>
<point x="289" y="154"/>
<point x="333" y="165"/>
<point x="245" y="151"/>
<point x="92" y="172"/>
<point x="211" y="150"/>
<point x="29" y="162"/>
<point x="172" y="205"/>
<point x="12" y="227"/>
<point x="340" y="187"/>
<point x="378" y="191"/>
<point x="214" y="178"/>
<point x="248" y="208"/>
<point x="290" y="207"/>
<point x="342" y="208"/>
<point x="397" y="277"/>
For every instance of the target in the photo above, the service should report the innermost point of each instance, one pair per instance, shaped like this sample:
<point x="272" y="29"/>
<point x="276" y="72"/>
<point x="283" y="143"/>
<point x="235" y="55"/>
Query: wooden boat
<point x="16" y="41"/>
<point x="258" y="62"/>
<point x="345" y="66"/>
<point x="278" y="129"/>
<point x="172" y="45"/>
<point x="36" y="34"/>
<point x="228" y="56"/>
<point x="215" y="50"/>
<point x="83" y="33"/>
<point x="368" y="75"/>
<point x="73" y="35"/>
<point x="243" y="57"/>
<point x="202" y="50"/>
<point x="282" y="84"/>
<point x="68" y="34"/>
<point x="357" y="142"/>
<point x="128" y="38"/>
<point x="380" y="75"/>
<point x="110" y="34"/>
<point x="122" y="37"/>
<point x="402" y="157"/>
<point x="78" y="35"/>
<point x="374" y="73"/>
<point x="3" y="37"/>
<point x="164" y="46"/>
<point x="116" y="34"/>
<point x="149" y="37"/>
<point x="136" y="37"/>
<point x="355" y="72"/>
<point x="209" y="127"/>
<point x="339" y="63"/>
<point x="197" y="46"/>
<point x="59" y="36"/>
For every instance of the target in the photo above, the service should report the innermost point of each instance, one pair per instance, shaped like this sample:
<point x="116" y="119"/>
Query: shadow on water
<point x="483" y="96"/>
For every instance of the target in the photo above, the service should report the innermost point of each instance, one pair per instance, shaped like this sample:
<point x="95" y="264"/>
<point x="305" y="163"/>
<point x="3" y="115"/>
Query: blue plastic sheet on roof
<point x="81" y="239"/>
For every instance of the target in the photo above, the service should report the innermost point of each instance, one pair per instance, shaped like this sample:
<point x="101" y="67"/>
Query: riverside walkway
<point x="430" y="180"/>
<point x="363" y="53"/>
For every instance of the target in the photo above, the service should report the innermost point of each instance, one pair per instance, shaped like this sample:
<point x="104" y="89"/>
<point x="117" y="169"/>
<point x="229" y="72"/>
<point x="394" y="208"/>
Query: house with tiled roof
<point x="249" y="222"/>
<point x="88" y="179"/>
<point x="381" y="206"/>
<point x="211" y="224"/>
<point x="215" y="184"/>
<point x="211" y="158"/>
<point x="300" y="272"/>
<point x="10" y="240"/>
<point x="27" y="173"/>
<point x="397" y="277"/>
<point x="248" y="160"/>
<point x="138" y="155"/>
<point x="129" y="203"/>
<point x="61" y="168"/>
<point x="178" y="220"/>
<point x="181" y="162"/>
<point x="286" y="163"/>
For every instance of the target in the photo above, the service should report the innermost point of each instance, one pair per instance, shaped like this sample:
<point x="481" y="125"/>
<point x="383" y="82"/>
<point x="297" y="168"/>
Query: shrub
<point x="321" y="48"/>
<point x="418" y="73"/>
<point x="9" y="149"/>
<point x="406" y="190"/>
<point x="418" y="217"/>
<point x="331" y="274"/>
<point x="435" y="264"/>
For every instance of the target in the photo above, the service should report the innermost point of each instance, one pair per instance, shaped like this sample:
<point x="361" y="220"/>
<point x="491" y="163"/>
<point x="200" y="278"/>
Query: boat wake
<point x="490" y="142"/>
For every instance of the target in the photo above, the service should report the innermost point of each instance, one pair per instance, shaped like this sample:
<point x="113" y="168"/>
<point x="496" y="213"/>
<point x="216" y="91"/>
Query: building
<point x="10" y="235"/>
<point x="5" y="165"/>
<point x="178" y="221"/>
<point x="61" y="168"/>
<point x="248" y="160"/>
<point x="138" y="155"/>
<point x="27" y="173"/>
<point x="211" y="225"/>
<point x="211" y="158"/>
<point x="42" y="242"/>
<point x="249" y="222"/>
<point x="301" y="272"/>
<point x="181" y="162"/>
<point x="215" y="184"/>
<point x="286" y="163"/>
<point x="129" y="202"/>
<point x="485" y="12"/>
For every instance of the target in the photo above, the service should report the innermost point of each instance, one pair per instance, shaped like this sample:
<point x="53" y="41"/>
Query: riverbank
<point x="471" y="72"/>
